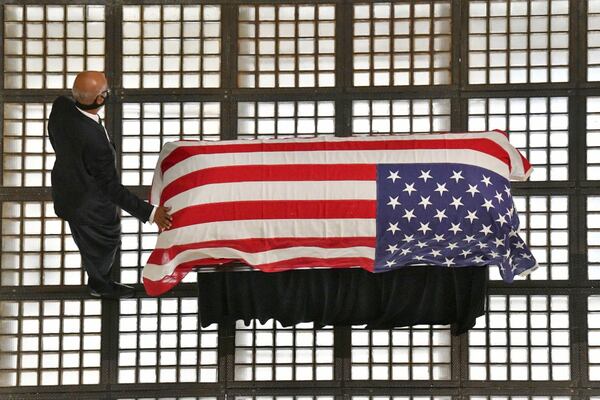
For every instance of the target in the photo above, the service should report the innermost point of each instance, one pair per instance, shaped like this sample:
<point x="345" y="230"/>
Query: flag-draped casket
<point x="378" y="203"/>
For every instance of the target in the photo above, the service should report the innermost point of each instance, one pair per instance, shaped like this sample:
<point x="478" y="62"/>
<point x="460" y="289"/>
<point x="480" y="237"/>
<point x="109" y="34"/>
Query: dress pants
<point x="98" y="245"/>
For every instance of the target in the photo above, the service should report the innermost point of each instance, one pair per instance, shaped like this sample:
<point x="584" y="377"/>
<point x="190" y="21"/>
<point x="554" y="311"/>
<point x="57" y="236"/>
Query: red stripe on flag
<point x="483" y="145"/>
<point x="274" y="209"/>
<point x="156" y="288"/>
<point x="163" y="256"/>
<point x="502" y="132"/>
<point x="526" y="164"/>
<point x="269" y="173"/>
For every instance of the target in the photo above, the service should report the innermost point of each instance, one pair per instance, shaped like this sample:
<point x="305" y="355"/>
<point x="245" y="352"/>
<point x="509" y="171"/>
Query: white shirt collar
<point x="95" y="117"/>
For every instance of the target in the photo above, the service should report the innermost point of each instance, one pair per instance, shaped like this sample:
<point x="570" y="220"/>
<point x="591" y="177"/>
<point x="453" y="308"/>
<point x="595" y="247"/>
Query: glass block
<point x="172" y="46"/>
<point x="593" y="40"/>
<point x="161" y="341"/>
<point x="272" y="352"/>
<point x="420" y="352"/>
<point x="593" y="237"/>
<point x="43" y="45"/>
<point x="263" y="120"/>
<point x="37" y="247"/>
<point x="27" y="151"/>
<point x="592" y="136"/>
<point x="373" y="117"/>
<point x="521" y="338"/>
<point x="518" y="41"/>
<point x="50" y="342"/>
<point x="402" y="43"/>
<point x="286" y="45"/>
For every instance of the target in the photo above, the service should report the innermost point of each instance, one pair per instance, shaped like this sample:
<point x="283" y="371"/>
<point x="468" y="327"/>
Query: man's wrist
<point x="151" y="218"/>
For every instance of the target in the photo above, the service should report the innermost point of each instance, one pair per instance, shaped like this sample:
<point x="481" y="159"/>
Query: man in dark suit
<point x="85" y="183"/>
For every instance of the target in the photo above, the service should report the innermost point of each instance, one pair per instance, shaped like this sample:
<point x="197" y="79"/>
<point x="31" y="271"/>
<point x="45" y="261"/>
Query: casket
<point x="378" y="203"/>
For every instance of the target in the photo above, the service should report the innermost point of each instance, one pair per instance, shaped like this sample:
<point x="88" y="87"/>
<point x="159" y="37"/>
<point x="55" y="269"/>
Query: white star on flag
<point x="455" y="228"/>
<point x="452" y="245"/>
<point x="425" y="175"/>
<point x="472" y="216"/>
<point x="435" y="253"/>
<point x="393" y="176"/>
<point x="499" y="242"/>
<point x="425" y="202"/>
<point x="486" y="180"/>
<point x="393" y="202"/>
<point x="424" y="228"/>
<point x="457" y="175"/>
<point x="501" y="220"/>
<point x="465" y="253"/>
<point x="487" y="204"/>
<point x="409" y="214"/>
<point x="440" y="214"/>
<point x="473" y="190"/>
<point x="486" y="230"/>
<point x="393" y="228"/>
<point x="392" y="248"/>
<point x="409" y="188"/>
<point x="449" y="261"/>
<point x="498" y="197"/>
<point x="390" y="263"/>
<point x="408" y="238"/>
<point x="469" y="238"/>
<point x="439" y="238"/>
<point x="441" y="189"/>
<point x="456" y="202"/>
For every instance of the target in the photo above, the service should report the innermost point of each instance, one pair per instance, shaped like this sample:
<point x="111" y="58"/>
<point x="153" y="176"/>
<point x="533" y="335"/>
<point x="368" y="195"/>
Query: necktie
<point x="105" y="131"/>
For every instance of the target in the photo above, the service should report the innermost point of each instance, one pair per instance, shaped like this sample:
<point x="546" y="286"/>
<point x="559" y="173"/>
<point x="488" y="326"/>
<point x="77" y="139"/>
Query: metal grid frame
<point x="577" y="187"/>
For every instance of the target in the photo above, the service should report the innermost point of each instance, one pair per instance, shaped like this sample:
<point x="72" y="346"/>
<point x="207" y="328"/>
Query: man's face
<point x="104" y="93"/>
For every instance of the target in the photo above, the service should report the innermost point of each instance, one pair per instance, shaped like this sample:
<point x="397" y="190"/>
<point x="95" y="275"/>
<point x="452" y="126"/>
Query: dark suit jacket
<point x="85" y="184"/>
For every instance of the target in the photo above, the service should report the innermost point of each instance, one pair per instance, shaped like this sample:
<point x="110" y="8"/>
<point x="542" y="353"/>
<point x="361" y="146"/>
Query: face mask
<point x="92" y="106"/>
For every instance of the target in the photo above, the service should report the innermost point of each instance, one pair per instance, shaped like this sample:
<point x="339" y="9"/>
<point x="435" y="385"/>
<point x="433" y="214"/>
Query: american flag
<point x="378" y="202"/>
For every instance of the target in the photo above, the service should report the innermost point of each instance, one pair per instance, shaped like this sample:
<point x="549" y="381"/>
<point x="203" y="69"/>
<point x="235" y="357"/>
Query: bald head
<point x="88" y="85"/>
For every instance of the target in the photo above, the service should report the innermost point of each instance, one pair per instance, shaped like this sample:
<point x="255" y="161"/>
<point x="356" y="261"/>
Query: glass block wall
<point x="230" y="69"/>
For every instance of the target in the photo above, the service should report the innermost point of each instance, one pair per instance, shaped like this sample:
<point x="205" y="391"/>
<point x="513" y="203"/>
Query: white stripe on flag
<point x="267" y="228"/>
<point x="156" y="272"/>
<point x="497" y="137"/>
<point x="461" y="156"/>
<point x="266" y="190"/>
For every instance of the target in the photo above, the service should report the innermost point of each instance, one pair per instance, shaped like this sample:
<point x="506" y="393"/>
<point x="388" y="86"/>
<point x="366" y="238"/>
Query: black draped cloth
<point x="343" y="297"/>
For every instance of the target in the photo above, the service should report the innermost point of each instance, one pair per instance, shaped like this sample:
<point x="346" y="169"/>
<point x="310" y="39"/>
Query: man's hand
<point x="162" y="218"/>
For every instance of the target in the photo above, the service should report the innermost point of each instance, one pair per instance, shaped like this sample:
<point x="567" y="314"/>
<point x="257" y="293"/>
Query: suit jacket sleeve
<point x="100" y="163"/>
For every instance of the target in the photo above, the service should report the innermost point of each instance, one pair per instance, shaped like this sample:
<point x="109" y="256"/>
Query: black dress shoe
<point x="123" y="290"/>
<point x="116" y="291"/>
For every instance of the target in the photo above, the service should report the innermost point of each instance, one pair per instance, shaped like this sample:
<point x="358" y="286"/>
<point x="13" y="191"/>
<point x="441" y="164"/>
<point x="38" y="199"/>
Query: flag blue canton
<point x="451" y="215"/>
